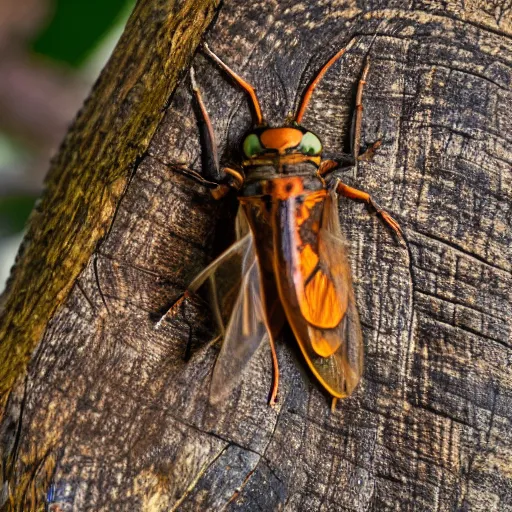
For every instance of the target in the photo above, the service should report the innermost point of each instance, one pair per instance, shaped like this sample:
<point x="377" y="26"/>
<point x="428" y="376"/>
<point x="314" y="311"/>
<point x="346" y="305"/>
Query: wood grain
<point x="89" y="175"/>
<point x="109" y="415"/>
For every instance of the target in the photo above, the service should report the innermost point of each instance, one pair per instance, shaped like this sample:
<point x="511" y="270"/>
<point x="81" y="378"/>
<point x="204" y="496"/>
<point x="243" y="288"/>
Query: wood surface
<point x="100" y="411"/>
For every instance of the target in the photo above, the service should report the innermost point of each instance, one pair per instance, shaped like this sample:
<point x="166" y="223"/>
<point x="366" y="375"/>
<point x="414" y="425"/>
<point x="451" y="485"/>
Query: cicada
<point x="289" y="264"/>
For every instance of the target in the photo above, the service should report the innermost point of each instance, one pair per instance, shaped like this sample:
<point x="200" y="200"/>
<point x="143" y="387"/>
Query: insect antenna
<point x="309" y="91"/>
<point x="248" y="88"/>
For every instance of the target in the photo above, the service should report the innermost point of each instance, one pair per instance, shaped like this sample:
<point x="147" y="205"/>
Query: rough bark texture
<point x="109" y="415"/>
<point x="91" y="171"/>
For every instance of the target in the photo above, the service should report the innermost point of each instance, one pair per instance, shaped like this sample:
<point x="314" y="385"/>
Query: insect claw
<point x="272" y="401"/>
<point x="386" y="217"/>
<point x="391" y="222"/>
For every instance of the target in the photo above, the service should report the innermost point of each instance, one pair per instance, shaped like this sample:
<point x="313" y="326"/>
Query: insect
<point x="289" y="263"/>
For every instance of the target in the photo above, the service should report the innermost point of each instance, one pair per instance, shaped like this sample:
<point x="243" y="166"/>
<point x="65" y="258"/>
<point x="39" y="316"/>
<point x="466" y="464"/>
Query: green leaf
<point x="77" y="27"/>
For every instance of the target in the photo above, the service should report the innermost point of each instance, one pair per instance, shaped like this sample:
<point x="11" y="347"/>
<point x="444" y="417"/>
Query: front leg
<point x="218" y="190"/>
<point x="341" y="164"/>
<point x="359" y="195"/>
<point x="235" y="181"/>
<point x="211" y="160"/>
<point x="346" y="162"/>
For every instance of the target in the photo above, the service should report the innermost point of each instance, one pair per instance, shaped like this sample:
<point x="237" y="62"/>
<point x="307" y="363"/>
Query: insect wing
<point x="223" y="277"/>
<point x="320" y="306"/>
<point x="236" y="302"/>
<point x="335" y="355"/>
<point x="245" y="332"/>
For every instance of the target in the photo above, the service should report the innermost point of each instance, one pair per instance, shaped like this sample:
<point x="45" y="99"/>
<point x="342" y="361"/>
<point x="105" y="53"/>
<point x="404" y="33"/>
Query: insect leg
<point x="173" y="310"/>
<point x="275" y="374"/>
<point x="197" y="177"/>
<point x="340" y="164"/>
<point x="359" y="195"/>
<point x="358" y="119"/>
<point x="238" y="177"/>
<point x="358" y="114"/>
<point x="328" y="166"/>
<point x="219" y="190"/>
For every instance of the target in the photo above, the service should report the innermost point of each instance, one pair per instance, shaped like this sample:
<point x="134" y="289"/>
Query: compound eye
<point x="252" y="145"/>
<point x="310" y="144"/>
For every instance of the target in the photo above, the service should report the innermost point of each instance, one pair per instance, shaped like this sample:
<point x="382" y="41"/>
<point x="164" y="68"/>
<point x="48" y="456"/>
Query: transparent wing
<point x="245" y="333"/>
<point x="224" y="275"/>
<point x="236" y="301"/>
<point x="238" y="251"/>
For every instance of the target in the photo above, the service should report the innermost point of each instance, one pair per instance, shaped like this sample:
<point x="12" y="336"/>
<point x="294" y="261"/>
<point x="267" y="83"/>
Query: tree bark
<point x="100" y="411"/>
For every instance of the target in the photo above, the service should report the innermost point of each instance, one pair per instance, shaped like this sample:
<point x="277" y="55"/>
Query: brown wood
<point x="109" y="416"/>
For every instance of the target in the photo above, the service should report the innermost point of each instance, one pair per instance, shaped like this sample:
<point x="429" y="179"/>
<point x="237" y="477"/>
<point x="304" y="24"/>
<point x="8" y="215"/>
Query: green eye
<point x="252" y="145"/>
<point x="310" y="144"/>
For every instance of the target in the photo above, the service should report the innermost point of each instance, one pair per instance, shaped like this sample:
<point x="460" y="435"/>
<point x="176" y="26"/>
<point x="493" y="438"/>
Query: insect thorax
<point x="259" y="178"/>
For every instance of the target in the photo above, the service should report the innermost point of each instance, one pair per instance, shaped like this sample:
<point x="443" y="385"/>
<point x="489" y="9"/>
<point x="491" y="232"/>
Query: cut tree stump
<point x="100" y="411"/>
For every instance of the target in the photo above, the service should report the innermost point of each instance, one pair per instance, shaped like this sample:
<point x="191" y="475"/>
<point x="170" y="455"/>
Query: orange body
<point x="305" y="277"/>
<point x="289" y="263"/>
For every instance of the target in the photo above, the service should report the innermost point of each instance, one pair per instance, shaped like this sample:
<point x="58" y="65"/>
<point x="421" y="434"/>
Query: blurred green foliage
<point x="14" y="211"/>
<point x="71" y="36"/>
<point x="78" y="33"/>
<point x="76" y="28"/>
